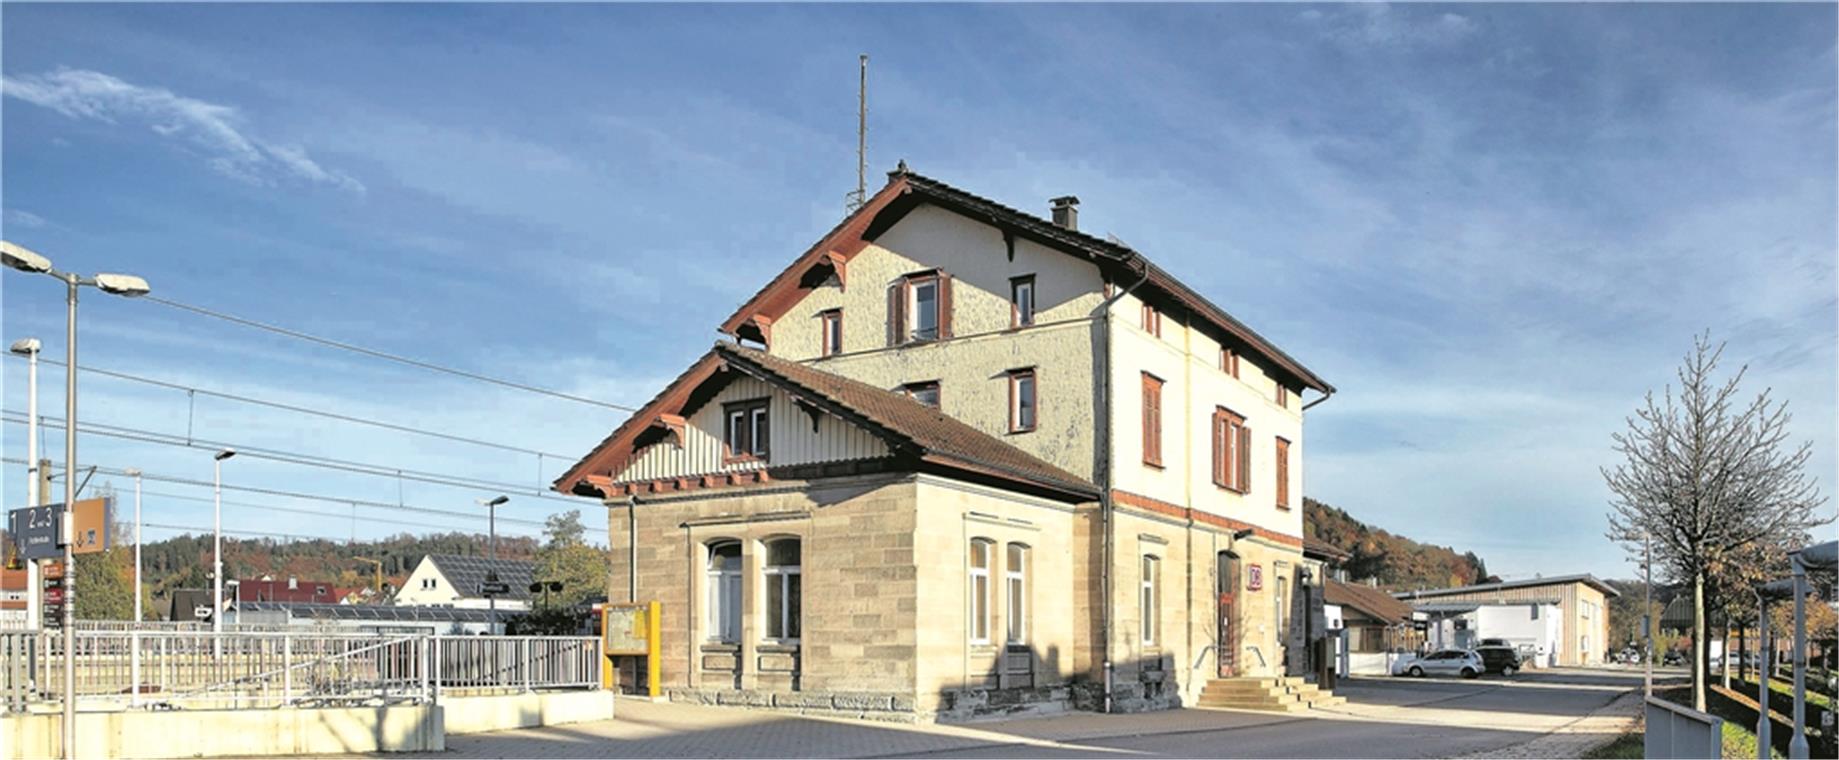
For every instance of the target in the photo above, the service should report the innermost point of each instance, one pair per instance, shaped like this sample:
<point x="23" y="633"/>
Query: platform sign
<point x="1254" y="577"/>
<point x="90" y="526"/>
<point x="633" y="630"/>
<point x="494" y="589"/>
<point x="35" y="531"/>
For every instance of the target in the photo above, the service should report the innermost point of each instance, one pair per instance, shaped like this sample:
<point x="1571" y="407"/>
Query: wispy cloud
<point x="220" y="131"/>
<point x="1379" y="24"/>
<point x="19" y="218"/>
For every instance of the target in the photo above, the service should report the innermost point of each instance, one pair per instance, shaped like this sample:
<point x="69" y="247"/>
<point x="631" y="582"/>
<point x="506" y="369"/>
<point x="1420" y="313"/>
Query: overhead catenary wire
<point x="368" y="520"/>
<point x="378" y="354"/>
<point x="119" y="472"/>
<point x="289" y="457"/>
<point x="305" y="410"/>
<point x="258" y="533"/>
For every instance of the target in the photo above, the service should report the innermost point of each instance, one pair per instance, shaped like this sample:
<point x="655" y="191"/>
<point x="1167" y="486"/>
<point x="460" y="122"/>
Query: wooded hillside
<point x="1398" y="562"/>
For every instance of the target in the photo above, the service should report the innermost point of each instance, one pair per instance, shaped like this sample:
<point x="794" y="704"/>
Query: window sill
<point x="789" y="646"/>
<point x="743" y="459"/>
<point x="720" y="646"/>
<point x="1154" y="465"/>
<point x="1020" y="431"/>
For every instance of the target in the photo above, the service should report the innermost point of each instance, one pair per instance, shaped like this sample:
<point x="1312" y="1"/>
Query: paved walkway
<point x="1548" y="715"/>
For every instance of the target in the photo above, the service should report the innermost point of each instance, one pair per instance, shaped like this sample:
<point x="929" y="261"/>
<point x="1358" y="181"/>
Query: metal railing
<point x="199" y="670"/>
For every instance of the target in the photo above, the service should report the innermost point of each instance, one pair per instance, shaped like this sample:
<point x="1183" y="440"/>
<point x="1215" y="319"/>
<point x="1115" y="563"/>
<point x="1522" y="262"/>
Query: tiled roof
<point x="937" y="435"/>
<point x="1555" y="580"/>
<point x="467" y="572"/>
<point x="1318" y="547"/>
<point x="909" y="427"/>
<point x="1373" y="602"/>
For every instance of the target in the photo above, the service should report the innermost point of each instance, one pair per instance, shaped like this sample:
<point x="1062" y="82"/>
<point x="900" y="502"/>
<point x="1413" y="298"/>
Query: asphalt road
<point x="1393" y="717"/>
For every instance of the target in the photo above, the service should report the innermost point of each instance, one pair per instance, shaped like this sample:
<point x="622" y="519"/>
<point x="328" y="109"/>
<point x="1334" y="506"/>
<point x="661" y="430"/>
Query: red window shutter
<point x="1283" y="473"/>
<point x="897" y="306"/>
<point x="1245" y="460"/>
<point x="1219" y="448"/>
<point x="944" y="306"/>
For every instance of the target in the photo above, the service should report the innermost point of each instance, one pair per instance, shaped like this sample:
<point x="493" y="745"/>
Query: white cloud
<point x="20" y="218"/>
<point x="1379" y="24"/>
<point x="219" y="130"/>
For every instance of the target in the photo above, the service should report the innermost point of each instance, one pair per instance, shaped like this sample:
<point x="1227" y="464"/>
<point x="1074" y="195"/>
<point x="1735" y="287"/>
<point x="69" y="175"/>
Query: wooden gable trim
<point x="836" y="249"/>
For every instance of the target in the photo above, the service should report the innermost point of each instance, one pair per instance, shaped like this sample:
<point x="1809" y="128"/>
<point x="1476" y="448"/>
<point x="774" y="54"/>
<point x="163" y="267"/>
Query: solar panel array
<point x="466" y="573"/>
<point x="323" y="611"/>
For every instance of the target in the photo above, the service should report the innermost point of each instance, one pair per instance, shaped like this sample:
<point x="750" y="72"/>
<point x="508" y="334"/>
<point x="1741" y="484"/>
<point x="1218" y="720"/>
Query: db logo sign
<point x="1254" y="578"/>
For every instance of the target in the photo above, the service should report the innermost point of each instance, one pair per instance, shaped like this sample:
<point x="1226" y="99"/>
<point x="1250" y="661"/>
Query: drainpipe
<point x="632" y="549"/>
<point x="1105" y="455"/>
<point x="1325" y="396"/>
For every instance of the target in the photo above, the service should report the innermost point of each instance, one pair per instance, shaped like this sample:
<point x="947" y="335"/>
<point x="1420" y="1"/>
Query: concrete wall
<point x="473" y="714"/>
<point x="230" y="733"/>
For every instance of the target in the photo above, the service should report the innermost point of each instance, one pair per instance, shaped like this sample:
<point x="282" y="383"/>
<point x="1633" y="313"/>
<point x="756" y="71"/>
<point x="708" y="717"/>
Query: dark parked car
<point x="1500" y="659"/>
<point x="1673" y="658"/>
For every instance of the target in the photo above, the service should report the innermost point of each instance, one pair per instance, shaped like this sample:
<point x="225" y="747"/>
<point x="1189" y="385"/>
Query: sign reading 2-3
<point x="35" y="530"/>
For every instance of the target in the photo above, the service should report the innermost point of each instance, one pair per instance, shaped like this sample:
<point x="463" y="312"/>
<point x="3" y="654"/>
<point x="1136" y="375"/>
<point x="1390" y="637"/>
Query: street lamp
<point x="217" y="545"/>
<point x="26" y="260"/>
<point x="134" y="472"/>
<point x="29" y="348"/>
<point x="491" y="511"/>
<point x="1647" y="607"/>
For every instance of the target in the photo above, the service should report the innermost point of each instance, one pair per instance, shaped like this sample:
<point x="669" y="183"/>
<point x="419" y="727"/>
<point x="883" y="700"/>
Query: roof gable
<point x="465" y="573"/>
<point x="906" y="191"/>
<point x="914" y="432"/>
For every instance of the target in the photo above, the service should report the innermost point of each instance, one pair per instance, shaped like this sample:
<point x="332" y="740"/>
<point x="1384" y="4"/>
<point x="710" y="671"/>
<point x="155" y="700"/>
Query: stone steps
<point x="1270" y="694"/>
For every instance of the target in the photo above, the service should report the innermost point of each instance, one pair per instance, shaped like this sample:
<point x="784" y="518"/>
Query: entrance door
<point x="1226" y="574"/>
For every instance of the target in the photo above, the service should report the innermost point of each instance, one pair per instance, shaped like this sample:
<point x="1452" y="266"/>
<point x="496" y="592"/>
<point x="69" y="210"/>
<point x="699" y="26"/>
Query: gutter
<point x="1312" y="404"/>
<point x="1103" y="470"/>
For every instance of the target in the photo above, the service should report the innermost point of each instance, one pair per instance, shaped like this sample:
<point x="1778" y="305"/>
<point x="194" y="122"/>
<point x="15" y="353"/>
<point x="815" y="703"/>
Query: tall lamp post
<point x="1647" y="608"/>
<point x="134" y="472"/>
<point x="217" y="547"/>
<point x="28" y="348"/>
<point x="491" y="512"/>
<point x="24" y="259"/>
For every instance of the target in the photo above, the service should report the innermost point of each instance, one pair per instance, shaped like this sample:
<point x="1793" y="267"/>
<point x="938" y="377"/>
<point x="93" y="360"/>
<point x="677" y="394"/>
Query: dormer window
<point x="926" y="392"/>
<point x="746" y="430"/>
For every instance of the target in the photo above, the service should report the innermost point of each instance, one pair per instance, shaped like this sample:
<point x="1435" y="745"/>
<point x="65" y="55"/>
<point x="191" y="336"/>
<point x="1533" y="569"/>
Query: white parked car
<point x="1443" y="662"/>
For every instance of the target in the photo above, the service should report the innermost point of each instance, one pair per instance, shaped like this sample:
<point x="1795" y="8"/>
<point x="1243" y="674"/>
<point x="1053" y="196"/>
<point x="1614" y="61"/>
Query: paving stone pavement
<point x="1582" y="735"/>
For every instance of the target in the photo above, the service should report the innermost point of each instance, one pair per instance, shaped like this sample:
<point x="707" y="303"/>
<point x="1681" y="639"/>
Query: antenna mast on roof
<point x="860" y="196"/>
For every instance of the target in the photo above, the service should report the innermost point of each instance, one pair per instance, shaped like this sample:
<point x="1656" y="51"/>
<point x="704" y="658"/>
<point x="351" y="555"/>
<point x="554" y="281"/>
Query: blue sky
<point x="1492" y="226"/>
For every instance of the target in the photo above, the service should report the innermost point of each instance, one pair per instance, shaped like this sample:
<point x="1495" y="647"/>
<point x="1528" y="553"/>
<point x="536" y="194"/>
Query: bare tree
<point x="1706" y="475"/>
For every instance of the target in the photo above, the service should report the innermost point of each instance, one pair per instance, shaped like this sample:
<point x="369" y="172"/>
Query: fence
<point x="1674" y="731"/>
<point x="186" y="669"/>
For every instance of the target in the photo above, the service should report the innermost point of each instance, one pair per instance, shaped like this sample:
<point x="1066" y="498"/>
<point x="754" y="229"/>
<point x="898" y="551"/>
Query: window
<point x="1283" y="397"/>
<point x="1231" y="451"/>
<point x="980" y="590"/>
<point x="723" y="588"/>
<point x="1149" y="599"/>
<point x="832" y="322"/>
<point x="1152" y="320"/>
<point x="1021" y="301"/>
<point x="1152" y="420"/>
<point x="782" y="589"/>
<point x="926" y="392"/>
<point x="1015" y="586"/>
<point x="1283" y="474"/>
<point x="427" y="583"/>
<point x="747" y="431"/>
<point x="1022" y="400"/>
<point x="919" y="308"/>
<point x="1229" y="361"/>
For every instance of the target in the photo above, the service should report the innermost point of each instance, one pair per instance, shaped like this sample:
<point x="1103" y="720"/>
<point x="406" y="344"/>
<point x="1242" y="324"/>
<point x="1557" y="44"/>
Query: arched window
<point x="1150" y="599"/>
<point x="1015" y="586"/>
<point x="723" y="589"/>
<point x="781" y="574"/>
<point x="981" y="549"/>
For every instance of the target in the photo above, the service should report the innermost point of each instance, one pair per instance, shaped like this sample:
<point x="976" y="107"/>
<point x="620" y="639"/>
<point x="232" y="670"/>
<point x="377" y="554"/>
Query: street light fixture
<point x="491" y="510"/>
<point x="217" y="543"/>
<point x="26" y="260"/>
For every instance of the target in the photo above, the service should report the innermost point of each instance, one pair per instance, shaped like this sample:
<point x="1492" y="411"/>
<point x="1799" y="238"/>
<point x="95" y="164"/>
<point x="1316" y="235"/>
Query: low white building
<point x="451" y="580"/>
<point x="1534" y="628"/>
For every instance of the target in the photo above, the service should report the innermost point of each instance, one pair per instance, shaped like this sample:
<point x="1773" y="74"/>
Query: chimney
<point x="1066" y="211"/>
